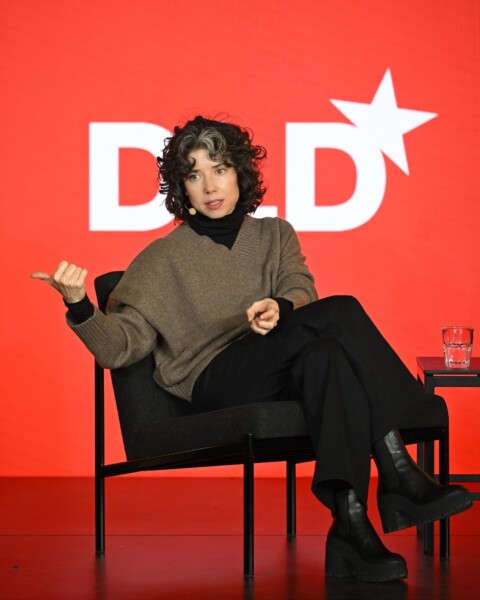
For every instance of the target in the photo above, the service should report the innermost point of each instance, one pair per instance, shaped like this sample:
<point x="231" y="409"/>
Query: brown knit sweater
<point x="184" y="297"/>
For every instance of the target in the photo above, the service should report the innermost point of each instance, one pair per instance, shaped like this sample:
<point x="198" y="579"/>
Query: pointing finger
<point x="41" y="275"/>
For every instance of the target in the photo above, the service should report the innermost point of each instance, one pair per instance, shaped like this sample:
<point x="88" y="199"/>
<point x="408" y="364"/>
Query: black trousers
<point x="331" y="358"/>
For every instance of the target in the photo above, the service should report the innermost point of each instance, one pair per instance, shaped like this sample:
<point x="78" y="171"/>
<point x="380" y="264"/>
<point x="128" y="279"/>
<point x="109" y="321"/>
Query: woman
<point x="228" y="307"/>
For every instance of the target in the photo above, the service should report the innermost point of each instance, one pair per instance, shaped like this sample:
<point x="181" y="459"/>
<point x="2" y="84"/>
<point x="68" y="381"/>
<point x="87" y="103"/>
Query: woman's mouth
<point x="213" y="204"/>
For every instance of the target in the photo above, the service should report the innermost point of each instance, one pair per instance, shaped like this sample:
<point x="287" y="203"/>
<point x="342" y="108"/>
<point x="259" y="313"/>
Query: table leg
<point x="428" y="527"/>
<point x="444" y="479"/>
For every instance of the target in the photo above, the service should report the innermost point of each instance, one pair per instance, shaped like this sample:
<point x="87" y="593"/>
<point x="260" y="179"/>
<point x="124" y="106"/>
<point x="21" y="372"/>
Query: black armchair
<point x="161" y="432"/>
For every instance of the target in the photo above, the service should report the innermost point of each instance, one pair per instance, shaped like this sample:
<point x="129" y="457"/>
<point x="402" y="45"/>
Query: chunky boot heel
<point x="392" y="518"/>
<point x="406" y="494"/>
<point x="354" y="548"/>
<point x="336" y="565"/>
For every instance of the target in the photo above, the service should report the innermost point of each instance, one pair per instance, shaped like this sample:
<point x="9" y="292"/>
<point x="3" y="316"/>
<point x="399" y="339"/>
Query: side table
<point x="431" y="373"/>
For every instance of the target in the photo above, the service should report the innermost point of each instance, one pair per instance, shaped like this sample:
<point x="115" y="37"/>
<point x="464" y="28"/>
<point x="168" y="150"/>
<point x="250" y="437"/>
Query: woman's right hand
<point x="68" y="279"/>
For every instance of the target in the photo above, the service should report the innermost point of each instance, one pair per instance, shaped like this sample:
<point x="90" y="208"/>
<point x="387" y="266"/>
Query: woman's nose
<point x="209" y="183"/>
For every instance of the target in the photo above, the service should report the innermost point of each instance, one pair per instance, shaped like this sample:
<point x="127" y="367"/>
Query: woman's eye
<point x="192" y="177"/>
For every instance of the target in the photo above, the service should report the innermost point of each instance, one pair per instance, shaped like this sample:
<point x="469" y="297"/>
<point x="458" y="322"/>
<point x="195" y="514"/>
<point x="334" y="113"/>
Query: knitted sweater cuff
<point x="80" y="311"/>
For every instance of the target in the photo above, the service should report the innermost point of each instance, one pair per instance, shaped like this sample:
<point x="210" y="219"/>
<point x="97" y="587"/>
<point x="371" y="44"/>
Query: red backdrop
<point x="405" y="244"/>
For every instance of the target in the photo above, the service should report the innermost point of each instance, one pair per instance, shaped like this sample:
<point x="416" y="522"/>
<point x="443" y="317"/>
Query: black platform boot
<point x="354" y="548"/>
<point x="406" y="494"/>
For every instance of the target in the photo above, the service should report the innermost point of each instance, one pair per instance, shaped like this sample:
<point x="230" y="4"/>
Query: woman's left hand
<point x="263" y="315"/>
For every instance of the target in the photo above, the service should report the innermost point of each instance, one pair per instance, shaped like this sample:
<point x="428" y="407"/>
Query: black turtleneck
<point x="221" y="231"/>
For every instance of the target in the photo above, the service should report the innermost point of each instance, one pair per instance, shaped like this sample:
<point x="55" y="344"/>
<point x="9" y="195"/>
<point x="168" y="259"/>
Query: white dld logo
<point x="377" y="129"/>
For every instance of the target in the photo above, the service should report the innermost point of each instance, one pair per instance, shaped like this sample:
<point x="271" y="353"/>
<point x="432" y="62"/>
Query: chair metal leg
<point x="291" y="500"/>
<point x="99" y="515"/>
<point x="99" y="460"/>
<point x="444" y="478"/>
<point x="248" y="513"/>
<point x="428" y="457"/>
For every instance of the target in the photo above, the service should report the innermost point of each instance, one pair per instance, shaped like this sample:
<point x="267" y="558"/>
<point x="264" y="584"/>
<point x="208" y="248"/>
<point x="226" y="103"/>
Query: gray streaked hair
<point x="209" y="138"/>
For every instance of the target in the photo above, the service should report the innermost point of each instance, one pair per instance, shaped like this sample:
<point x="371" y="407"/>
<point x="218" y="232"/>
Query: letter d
<point x="106" y="214"/>
<point x="302" y="139"/>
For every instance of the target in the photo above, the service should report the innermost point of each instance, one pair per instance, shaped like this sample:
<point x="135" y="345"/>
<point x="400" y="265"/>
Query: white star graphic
<point x="383" y="122"/>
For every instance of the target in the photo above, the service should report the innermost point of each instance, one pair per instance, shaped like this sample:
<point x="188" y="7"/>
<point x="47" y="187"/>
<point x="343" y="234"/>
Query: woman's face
<point x="212" y="186"/>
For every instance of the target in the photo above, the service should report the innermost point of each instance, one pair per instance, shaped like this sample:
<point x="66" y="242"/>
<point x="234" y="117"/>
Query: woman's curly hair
<point x="223" y="141"/>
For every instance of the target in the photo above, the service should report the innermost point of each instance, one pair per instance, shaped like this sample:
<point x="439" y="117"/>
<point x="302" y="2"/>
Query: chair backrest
<point x="140" y="401"/>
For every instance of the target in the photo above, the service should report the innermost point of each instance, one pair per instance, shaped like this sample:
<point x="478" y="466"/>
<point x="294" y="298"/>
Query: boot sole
<point x="342" y="560"/>
<point x="397" y="512"/>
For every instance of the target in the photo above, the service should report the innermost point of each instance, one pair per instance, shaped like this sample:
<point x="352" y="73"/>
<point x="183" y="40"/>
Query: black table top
<point x="435" y="365"/>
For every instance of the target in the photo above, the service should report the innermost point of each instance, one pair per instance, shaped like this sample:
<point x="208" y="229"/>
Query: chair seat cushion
<point x="265" y="420"/>
<point x="430" y="412"/>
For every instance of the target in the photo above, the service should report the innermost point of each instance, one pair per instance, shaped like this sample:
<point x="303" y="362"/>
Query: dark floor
<point x="181" y="539"/>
